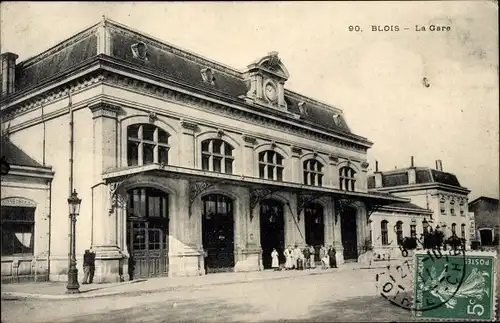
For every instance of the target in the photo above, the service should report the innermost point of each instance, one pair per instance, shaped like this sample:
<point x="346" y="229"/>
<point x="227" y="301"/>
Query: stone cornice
<point x="104" y="109"/>
<point x="425" y="186"/>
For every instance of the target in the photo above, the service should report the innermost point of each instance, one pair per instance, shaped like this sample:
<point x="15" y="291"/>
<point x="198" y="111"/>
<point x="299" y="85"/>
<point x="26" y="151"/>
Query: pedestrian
<point x="332" y="255"/>
<point x="323" y="253"/>
<point x="296" y="256"/>
<point x="311" y="257"/>
<point x="88" y="267"/>
<point x="288" y="258"/>
<point x="307" y="254"/>
<point x="275" y="262"/>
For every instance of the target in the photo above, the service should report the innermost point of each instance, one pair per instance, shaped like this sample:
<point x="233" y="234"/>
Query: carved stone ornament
<point x="115" y="198"/>
<point x="189" y="124"/>
<point x="220" y="133"/>
<point x="140" y="51"/>
<point x="364" y="165"/>
<point x="273" y="144"/>
<point x="303" y="108"/>
<point x="337" y="119"/>
<point x="333" y="159"/>
<point x="195" y="189"/>
<point x="250" y="139"/>
<point x="273" y="62"/>
<point x="18" y="201"/>
<point x="296" y="150"/>
<point x="208" y="75"/>
<point x="152" y="117"/>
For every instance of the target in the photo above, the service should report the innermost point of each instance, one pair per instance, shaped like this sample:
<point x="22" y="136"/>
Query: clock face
<point x="270" y="91"/>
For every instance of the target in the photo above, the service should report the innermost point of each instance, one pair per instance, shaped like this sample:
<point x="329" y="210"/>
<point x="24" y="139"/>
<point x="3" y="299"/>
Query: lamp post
<point x="74" y="209"/>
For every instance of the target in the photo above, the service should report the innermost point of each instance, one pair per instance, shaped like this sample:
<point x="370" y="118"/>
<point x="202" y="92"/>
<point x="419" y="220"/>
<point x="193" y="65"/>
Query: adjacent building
<point x="487" y="219"/>
<point x="185" y="166"/>
<point x="437" y="200"/>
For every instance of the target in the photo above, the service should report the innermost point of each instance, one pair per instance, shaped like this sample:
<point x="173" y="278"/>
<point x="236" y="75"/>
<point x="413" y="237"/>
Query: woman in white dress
<point x="275" y="261"/>
<point x="288" y="256"/>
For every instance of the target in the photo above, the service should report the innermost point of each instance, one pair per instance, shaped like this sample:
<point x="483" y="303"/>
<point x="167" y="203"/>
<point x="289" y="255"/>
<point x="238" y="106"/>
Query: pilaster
<point x="332" y="175"/>
<point x="296" y="169"/>
<point x="104" y="228"/>
<point x="248" y="155"/>
<point x="187" y="158"/>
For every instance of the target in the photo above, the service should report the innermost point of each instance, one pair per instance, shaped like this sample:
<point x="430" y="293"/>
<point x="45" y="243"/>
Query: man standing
<point x="307" y="255"/>
<point x="88" y="267"/>
<point x="332" y="255"/>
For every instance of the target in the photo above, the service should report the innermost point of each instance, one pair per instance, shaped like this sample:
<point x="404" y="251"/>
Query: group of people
<point x="296" y="258"/>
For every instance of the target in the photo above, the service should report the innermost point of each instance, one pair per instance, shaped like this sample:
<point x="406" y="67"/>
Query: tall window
<point x="271" y="165"/>
<point x="413" y="230"/>
<point x="217" y="205"/>
<point x="18" y="227"/>
<point x="313" y="172"/>
<point x="385" y="233"/>
<point x="399" y="232"/>
<point x="463" y="231"/>
<point x="217" y="156"/>
<point x="347" y="178"/>
<point x="452" y="207"/>
<point x="442" y="206"/>
<point x="462" y="208"/>
<point x="147" y="144"/>
<point x="454" y="229"/>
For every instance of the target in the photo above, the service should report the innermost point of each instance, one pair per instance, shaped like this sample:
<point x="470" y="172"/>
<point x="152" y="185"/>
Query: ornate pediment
<point x="266" y="78"/>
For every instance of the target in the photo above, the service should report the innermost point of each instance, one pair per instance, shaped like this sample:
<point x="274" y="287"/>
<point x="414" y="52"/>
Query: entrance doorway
<point x="315" y="227"/>
<point x="147" y="232"/>
<point x="272" y="231"/>
<point x="349" y="230"/>
<point x="218" y="233"/>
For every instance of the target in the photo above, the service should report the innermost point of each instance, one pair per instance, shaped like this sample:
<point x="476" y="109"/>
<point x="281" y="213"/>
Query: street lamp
<point x="74" y="209"/>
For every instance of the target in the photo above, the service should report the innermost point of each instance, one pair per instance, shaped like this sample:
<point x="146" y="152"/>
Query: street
<point x="334" y="296"/>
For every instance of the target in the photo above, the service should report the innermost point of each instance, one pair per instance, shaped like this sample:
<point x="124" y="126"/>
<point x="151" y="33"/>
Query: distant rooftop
<point x="15" y="155"/>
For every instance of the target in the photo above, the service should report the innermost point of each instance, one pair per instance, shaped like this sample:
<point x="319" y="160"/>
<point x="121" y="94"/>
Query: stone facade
<point x="487" y="219"/>
<point x="146" y="119"/>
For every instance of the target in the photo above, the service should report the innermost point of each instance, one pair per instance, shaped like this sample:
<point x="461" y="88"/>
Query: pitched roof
<point x="484" y="198"/>
<point x="170" y="61"/>
<point x="424" y="175"/>
<point x="15" y="155"/>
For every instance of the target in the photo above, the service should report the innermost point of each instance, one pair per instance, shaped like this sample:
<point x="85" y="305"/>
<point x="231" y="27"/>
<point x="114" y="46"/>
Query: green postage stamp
<point x="455" y="286"/>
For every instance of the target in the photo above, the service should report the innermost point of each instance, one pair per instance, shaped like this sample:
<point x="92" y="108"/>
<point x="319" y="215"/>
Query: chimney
<point x="8" y="70"/>
<point x="439" y="165"/>
<point x="378" y="176"/>
<point x="412" y="173"/>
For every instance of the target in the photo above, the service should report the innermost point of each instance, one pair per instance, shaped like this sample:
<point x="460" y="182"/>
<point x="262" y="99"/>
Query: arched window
<point x="271" y="165"/>
<point x="313" y="172"/>
<point x="452" y="207"/>
<point x="347" y="178"/>
<point x="385" y="233"/>
<point x="399" y="232"/>
<point x="217" y="156"/>
<point x="463" y="231"/>
<point x="146" y="144"/>
<point x="454" y="229"/>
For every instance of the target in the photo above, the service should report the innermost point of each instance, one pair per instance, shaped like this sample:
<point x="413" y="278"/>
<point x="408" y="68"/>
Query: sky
<point x="375" y="77"/>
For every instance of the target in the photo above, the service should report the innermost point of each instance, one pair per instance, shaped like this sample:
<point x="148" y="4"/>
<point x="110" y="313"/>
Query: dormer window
<point x="208" y="75"/>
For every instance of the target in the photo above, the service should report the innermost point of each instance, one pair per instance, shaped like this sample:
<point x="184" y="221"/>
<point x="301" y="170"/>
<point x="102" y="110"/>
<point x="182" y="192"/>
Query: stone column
<point x="296" y="169"/>
<point x="105" y="244"/>
<point x="337" y="233"/>
<point x="188" y="151"/>
<point x="248" y="167"/>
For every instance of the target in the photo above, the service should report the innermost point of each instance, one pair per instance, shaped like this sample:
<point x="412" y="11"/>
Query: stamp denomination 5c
<point x="463" y="286"/>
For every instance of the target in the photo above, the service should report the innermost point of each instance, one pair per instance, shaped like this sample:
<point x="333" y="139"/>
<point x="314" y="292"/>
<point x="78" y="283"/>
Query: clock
<point x="270" y="91"/>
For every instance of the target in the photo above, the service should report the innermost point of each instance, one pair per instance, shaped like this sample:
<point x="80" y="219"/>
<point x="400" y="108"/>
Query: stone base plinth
<point x="109" y="265"/>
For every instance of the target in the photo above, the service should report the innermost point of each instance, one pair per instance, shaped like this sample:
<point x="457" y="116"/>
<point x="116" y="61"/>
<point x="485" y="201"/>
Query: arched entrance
<point x="315" y="227"/>
<point x="218" y="233"/>
<point x="147" y="232"/>
<point x="349" y="231"/>
<point x="272" y="230"/>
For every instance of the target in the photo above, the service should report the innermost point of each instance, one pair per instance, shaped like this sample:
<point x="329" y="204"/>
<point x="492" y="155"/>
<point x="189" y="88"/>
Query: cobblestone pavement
<point x="335" y="296"/>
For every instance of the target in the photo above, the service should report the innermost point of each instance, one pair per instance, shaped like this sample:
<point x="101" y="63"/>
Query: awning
<point x="260" y="189"/>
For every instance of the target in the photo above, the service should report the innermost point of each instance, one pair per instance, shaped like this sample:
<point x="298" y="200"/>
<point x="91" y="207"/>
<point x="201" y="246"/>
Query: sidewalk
<point x="56" y="290"/>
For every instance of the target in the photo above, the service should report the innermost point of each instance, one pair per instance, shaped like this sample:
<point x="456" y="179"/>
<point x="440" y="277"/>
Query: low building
<point x="185" y="166"/>
<point x="487" y="219"/>
<point x="437" y="200"/>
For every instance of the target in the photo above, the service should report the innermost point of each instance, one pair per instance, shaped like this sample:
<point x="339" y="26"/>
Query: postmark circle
<point x="434" y="272"/>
